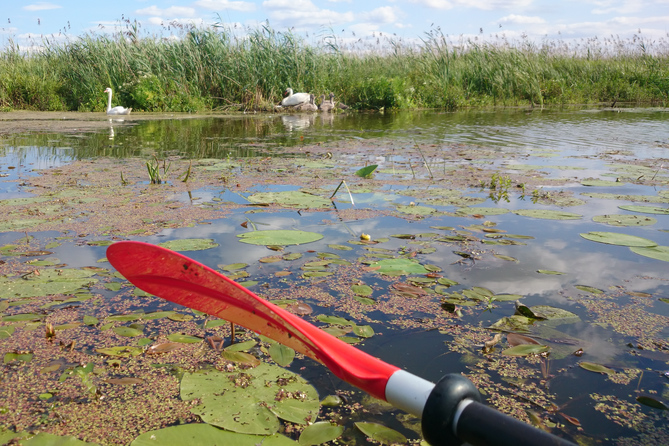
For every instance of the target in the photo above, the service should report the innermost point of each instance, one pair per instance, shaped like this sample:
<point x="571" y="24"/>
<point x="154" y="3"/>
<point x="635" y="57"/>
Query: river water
<point x="621" y="310"/>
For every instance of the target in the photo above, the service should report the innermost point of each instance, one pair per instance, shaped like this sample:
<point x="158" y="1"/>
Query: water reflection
<point x="299" y="122"/>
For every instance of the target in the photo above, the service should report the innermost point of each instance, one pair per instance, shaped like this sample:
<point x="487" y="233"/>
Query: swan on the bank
<point x="292" y="99"/>
<point x="307" y="106"/>
<point x="325" y="106"/>
<point x="118" y="110"/>
<point x="339" y="104"/>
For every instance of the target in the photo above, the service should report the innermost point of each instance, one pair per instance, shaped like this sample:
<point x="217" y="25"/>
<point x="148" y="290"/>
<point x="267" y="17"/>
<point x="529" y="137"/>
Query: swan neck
<point x="109" y="95"/>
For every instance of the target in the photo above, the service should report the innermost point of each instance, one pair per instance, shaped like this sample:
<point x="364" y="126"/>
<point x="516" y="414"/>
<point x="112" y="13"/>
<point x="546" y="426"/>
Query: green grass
<point x="214" y="69"/>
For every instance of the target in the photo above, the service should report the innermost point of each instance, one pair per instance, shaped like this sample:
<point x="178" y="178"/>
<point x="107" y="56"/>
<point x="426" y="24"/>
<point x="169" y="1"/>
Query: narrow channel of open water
<point x="571" y="139"/>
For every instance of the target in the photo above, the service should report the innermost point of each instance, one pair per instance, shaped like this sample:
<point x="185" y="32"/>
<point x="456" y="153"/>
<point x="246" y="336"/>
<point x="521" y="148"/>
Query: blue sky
<point x="25" y="22"/>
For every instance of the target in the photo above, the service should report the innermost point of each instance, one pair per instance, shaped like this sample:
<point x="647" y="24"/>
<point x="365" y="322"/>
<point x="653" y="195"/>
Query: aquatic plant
<point x="192" y="69"/>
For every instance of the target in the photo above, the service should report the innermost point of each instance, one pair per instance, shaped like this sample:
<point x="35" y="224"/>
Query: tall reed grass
<point x="214" y="68"/>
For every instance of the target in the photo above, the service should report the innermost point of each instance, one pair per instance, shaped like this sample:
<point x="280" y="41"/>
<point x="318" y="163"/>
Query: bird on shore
<point x="339" y="104"/>
<point x="325" y="106"/>
<point x="307" y="106"/>
<point x="118" y="110"/>
<point x="292" y="99"/>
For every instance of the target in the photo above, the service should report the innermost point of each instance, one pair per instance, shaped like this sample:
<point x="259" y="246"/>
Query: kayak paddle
<point x="451" y="410"/>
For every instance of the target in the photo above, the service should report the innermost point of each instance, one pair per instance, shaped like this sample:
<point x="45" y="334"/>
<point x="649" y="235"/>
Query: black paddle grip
<point x="477" y="423"/>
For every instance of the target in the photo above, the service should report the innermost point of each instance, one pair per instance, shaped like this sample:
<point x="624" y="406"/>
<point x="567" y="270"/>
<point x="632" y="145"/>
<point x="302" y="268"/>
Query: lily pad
<point x="281" y="354"/>
<point x="399" y="267"/>
<point x="479" y="210"/>
<point x="48" y="282"/>
<point x="127" y="331"/>
<point x="624" y="220"/>
<point x="281" y="237"/>
<point x="120" y="351"/>
<point x="548" y="214"/>
<point x="651" y="402"/>
<point x="654" y="252"/>
<point x="380" y="433"/>
<point x="189" y="244"/>
<point x="597" y="368"/>
<point x="550" y="272"/>
<point x="362" y="290"/>
<point x="184" y="339"/>
<point x="645" y="209"/>
<point x="320" y="432"/>
<point x="416" y="210"/>
<point x="616" y="238"/>
<point x="294" y="198"/>
<point x="601" y="183"/>
<point x="252" y="400"/>
<point x="525" y="350"/>
<point x="205" y="434"/>
<point x="366" y="172"/>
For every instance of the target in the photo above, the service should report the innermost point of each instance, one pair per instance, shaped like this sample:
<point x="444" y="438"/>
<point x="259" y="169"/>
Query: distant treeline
<point x="213" y="69"/>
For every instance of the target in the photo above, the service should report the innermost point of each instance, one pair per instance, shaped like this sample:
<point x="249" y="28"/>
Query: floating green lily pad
<point x="205" y="434"/>
<point x="281" y="237"/>
<point x="479" y="210"/>
<point x="416" y="210"/>
<point x="548" y="214"/>
<point x="184" y="339"/>
<point x="601" y="183"/>
<point x="624" y="220"/>
<point x="189" y="244"/>
<point x="48" y="282"/>
<point x="399" y="267"/>
<point x="293" y="198"/>
<point x="381" y="433"/>
<point x="366" y="172"/>
<point x="616" y="238"/>
<point x="45" y="439"/>
<point x="249" y="401"/>
<point x="362" y="290"/>
<point x="654" y="252"/>
<point x="128" y="332"/>
<point x="645" y="209"/>
<point x="319" y="433"/>
<point x="281" y="354"/>
<point x="597" y="368"/>
<point x="550" y="272"/>
<point x="525" y="350"/>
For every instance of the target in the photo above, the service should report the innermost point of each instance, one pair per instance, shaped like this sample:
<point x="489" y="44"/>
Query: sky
<point x="26" y="23"/>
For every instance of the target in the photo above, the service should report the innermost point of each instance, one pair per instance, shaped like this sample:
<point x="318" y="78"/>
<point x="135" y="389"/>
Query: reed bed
<point x="199" y="69"/>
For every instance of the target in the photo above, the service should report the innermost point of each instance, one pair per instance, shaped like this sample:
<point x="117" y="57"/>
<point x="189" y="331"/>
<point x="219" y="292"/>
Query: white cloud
<point x="521" y="20"/>
<point x="302" y="14"/>
<point x="41" y="6"/>
<point x="435" y="4"/>
<point x="220" y="5"/>
<point x="172" y="11"/>
<point x="385" y="14"/>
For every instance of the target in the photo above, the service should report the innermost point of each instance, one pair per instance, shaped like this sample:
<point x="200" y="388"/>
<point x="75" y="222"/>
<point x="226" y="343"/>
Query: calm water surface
<point x="566" y="143"/>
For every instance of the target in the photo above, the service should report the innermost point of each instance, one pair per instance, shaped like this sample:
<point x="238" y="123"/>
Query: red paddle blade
<point x="184" y="281"/>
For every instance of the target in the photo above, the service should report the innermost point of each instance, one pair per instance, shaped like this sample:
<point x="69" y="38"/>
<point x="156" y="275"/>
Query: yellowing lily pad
<point x="525" y="350"/>
<point x="616" y="238"/>
<point x="280" y="237"/>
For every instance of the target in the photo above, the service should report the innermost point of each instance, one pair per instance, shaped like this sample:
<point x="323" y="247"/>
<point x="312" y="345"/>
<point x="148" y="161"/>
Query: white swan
<point x="291" y="99"/>
<point x="116" y="110"/>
